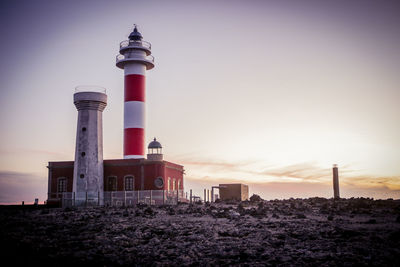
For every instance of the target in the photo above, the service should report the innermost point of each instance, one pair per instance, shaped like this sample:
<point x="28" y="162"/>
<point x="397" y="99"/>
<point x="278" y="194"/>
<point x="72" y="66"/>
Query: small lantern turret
<point x="154" y="150"/>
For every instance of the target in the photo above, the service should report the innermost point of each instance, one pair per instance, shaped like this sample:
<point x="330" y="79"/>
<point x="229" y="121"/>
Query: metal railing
<point x="121" y="198"/>
<point x="127" y="43"/>
<point x="90" y="88"/>
<point x="120" y="57"/>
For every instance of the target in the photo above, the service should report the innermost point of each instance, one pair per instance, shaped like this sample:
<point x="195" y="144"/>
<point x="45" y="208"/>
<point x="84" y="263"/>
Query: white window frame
<point x="133" y="182"/>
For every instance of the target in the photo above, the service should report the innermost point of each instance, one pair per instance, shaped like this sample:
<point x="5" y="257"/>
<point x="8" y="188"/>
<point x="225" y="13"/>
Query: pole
<point x="151" y="196"/>
<point x="163" y="196"/>
<point x="336" y="194"/>
<point x="190" y="196"/>
<point x="205" y="197"/>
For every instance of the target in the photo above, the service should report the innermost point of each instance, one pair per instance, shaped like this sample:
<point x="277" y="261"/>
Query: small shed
<point x="234" y="192"/>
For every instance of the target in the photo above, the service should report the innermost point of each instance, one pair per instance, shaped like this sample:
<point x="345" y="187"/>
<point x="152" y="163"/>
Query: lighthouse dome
<point x="154" y="144"/>
<point x="135" y="35"/>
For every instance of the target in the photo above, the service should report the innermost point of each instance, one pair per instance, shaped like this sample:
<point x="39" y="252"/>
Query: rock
<point x="255" y="198"/>
<point x="200" y="235"/>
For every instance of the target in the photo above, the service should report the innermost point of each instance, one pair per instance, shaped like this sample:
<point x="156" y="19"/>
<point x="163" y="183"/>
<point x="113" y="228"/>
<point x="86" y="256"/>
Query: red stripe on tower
<point x="134" y="141"/>
<point x="135" y="86"/>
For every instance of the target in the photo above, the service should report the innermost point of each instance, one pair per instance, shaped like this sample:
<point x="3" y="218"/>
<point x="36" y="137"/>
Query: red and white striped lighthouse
<point x="134" y="58"/>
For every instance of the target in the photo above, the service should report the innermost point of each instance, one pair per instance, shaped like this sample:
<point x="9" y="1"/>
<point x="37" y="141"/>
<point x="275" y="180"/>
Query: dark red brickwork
<point x="144" y="173"/>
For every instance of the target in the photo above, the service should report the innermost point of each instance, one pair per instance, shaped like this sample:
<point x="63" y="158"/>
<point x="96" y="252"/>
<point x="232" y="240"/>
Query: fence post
<point x="151" y="196"/>
<point x="177" y="196"/>
<point x="190" y="196"/>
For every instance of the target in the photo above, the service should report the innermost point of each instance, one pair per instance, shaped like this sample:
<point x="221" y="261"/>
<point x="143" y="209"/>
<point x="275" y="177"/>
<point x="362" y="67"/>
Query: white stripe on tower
<point x="134" y="110"/>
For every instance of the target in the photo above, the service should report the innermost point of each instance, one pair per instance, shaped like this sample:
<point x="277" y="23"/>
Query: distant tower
<point x="335" y="181"/>
<point x="155" y="151"/>
<point x="88" y="165"/>
<point x="134" y="58"/>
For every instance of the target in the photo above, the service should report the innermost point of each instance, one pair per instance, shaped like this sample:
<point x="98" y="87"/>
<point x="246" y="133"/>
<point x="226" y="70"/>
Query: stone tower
<point x="88" y="166"/>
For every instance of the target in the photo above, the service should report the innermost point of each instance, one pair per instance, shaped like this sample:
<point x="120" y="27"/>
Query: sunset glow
<point x="267" y="93"/>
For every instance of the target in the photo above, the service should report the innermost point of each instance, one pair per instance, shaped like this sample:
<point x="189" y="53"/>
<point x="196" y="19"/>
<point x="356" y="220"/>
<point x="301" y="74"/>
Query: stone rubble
<point x="294" y="232"/>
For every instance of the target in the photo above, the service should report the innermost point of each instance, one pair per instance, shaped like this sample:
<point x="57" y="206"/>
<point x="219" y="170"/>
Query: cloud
<point x="287" y="189"/>
<point x="306" y="171"/>
<point x="55" y="154"/>
<point x="369" y="181"/>
<point x="18" y="186"/>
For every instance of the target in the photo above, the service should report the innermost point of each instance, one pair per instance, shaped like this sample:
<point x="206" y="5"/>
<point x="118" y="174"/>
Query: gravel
<point x="312" y="232"/>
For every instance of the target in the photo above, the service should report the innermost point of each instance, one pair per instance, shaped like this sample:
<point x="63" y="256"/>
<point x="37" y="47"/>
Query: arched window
<point x="112" y="183"/>
<point x="61" y="185"/>
<point x="129" y="185"/>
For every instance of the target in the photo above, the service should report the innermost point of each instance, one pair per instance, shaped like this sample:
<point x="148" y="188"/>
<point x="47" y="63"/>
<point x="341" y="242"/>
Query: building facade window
<point x="62" y="185"/>
<point x="179" y="184"/>
<point x="169" y="184"/>
<point x="112" y="183"/>
<point x="173" y="184"/>
<point x="129" y="185"/>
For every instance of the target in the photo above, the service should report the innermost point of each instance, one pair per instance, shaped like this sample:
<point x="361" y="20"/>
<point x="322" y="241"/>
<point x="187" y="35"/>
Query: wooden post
<point x="190" y="196"/>
<point x="177" y="196"/>
<point x="205" y="196"/>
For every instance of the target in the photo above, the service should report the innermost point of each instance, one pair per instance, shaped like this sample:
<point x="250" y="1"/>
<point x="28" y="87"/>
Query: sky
<point x="266" y="93"/>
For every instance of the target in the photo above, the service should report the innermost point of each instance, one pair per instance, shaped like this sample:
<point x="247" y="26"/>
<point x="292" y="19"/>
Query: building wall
<point x="234" y="191"/>
<point x="120" y="169"/>
<point x="152" y="170"/>
<point x="57" y="170"/>
<point x="145" y="173"/>
<point x="173" y="172"/>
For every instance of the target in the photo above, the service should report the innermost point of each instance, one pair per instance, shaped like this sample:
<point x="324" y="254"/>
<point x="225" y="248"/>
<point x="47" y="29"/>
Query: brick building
<point x="123" y="175"/>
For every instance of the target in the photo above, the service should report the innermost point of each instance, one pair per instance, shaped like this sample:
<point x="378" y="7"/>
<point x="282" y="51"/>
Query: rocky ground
<point x="315" y="231"/>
